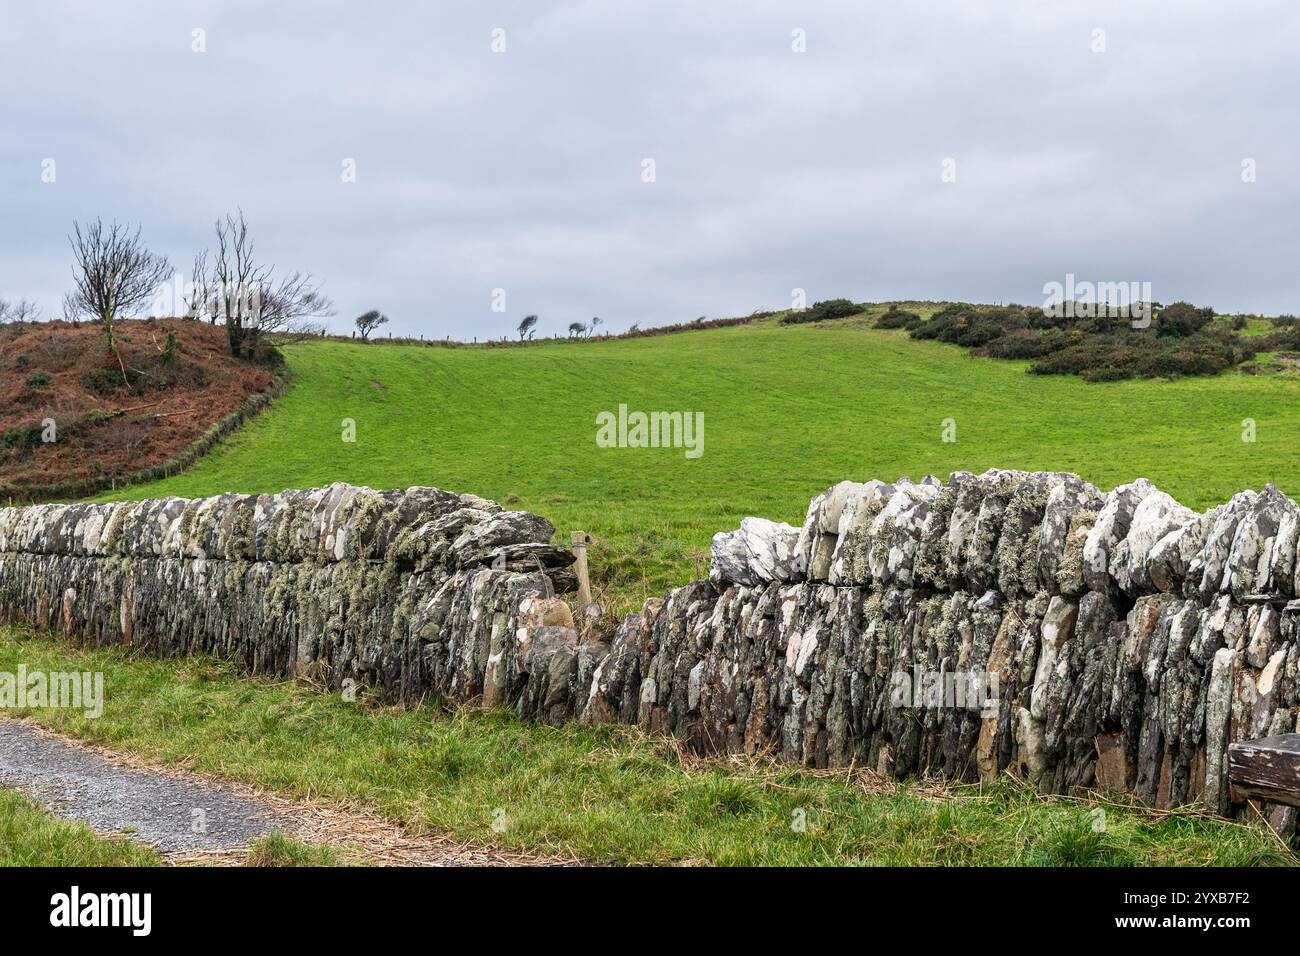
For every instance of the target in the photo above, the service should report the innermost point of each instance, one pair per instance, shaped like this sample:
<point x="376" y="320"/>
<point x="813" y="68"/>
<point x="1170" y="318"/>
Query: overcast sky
<point x="774" y="169"/>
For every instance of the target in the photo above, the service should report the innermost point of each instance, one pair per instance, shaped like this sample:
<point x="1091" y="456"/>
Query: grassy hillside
<point x="788" y="411"/>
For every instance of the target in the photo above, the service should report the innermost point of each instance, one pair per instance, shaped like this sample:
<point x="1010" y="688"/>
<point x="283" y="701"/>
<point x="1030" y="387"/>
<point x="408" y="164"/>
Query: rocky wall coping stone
<point x="415" y="527"/>
<point x="1022" y="532"/>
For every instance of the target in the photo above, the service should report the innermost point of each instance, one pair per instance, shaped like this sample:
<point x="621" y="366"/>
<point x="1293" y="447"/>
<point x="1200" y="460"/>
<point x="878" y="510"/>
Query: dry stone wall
<point x="1118" y="639"/>
<point x="411" y="592"/>
<point x="1009" y="621"/>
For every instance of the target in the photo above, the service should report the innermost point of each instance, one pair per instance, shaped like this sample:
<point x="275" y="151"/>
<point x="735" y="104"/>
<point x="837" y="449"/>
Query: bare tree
<point x="527" y="327"/>
<point x="249" y="299"/>
<point x="235" y="277"/>
<point x="24" y="310"/>
<point x="286" y="310"/>
<point x="115" y="274"/>
<point x="595" y="321"/>
<point x="367" y="322"/>
<point x="203" y="303"/>
<point x="70" y="313"/>
<point x="576" y="329"/>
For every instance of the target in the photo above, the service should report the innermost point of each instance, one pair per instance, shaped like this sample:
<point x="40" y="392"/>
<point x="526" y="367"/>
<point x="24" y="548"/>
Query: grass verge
<point x="29" y="836"/>
<point x="277" y="849"/>
<point x="603" y="794"/>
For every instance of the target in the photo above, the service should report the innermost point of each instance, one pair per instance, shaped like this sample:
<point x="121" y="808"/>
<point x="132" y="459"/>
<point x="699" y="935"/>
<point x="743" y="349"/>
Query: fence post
<point x="580" y="542"/>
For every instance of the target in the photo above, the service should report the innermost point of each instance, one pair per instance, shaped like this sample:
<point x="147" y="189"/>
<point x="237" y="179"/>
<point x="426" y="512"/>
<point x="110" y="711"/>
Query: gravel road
<point x="172" y="813"/>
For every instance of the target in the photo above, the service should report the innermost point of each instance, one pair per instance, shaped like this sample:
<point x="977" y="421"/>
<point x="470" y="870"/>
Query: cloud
<point x="775" y="170"/>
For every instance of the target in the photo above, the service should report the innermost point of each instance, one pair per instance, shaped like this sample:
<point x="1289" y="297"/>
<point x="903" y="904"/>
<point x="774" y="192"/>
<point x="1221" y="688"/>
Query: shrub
<point x="1285" y="338"/>
<point x="822" y="311"/>
<point x="1182" y="319"/>
<point x="1106" y="373"/>
<point x="39" y="380"/>
<point x="897" y="318"/>
<point x="1023" y="344"/>
<point x="1068" y="361"/>
<point x="1101" y="347"/>
<point x="105" y="381"/>
<point x="21" y="438"/>
<point x="971" y="326"/>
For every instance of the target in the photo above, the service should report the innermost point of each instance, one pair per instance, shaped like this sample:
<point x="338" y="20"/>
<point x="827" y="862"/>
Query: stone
<point x="772" y="550"/>
<point x="478" y="541"/>
<point x="1155" y="517"/>
<point x="1170" y="558"/>
<point x="1110" y="530"/>
<point x="1218" y="713"/>
<point x="816" y="542"/>
<point x="729" y="560"/>
<point x="1205" y="572"/>
<point x="1057" y="629"/>
<point x="1248" y="569"/>
<point x="853" y="535"/>
<point x="1114" y="768"/>
<point x="895" y="534"/>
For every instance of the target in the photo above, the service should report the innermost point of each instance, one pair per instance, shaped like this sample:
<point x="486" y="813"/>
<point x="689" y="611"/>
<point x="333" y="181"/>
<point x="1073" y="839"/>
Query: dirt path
<point x="190" y="818"/>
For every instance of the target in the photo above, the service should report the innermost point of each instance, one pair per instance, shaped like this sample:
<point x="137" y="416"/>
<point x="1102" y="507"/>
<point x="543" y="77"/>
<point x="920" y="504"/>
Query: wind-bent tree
<point x="576" y="329"/>
<point x="527" y="327"/>
<point x="595" y="321"/>
<point x="286" y="308"/>
<point x="367" y="322"/>
<point x="115" y="274"/>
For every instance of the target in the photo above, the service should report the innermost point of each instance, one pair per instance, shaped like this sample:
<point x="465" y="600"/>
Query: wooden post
<point x="580" y="542"/>
<point x="69" y="600"/>
<point x="1267" y="769"/>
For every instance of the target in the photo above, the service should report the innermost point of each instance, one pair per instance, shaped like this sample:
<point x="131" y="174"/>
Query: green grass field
<point x="605" y="794"/>
<point x="788" y="411"/>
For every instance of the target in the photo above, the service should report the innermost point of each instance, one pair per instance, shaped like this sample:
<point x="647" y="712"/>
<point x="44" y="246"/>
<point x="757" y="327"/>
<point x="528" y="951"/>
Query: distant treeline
<point x="635" y="332"/>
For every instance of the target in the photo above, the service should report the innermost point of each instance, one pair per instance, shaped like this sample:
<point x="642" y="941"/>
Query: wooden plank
<point x="1266" y="769"/>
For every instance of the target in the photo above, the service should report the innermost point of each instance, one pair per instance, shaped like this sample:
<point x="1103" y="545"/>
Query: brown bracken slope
<point x="181" y="383"/>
